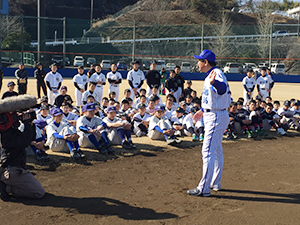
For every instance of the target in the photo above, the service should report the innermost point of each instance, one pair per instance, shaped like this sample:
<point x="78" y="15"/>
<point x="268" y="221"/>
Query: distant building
<point x="294" y="13"/>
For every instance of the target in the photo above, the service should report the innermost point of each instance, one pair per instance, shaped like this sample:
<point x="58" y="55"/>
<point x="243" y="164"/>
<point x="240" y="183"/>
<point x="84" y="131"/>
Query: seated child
<point x="141" y="121"/>
<point x="151" y="107"/>
<point x="177" y="122"/>
<point x="69" y="116"/>
<point x="117" y="129"/>
<point x="61" y="136"/>
<point x="38" y="148"/>
<point x="160" y="128"/>
<point x="189" y="125"/>
<point x="92" y="130"/>
<point x="273" y="119"/>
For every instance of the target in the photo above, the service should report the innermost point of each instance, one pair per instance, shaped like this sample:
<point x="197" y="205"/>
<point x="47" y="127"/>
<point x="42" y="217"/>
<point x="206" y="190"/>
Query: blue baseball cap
<point x="141" y="105"/>
<point x="56" y="111"/>
<point x="159" y="107"/>
<point x="111" y="109"/>
<point x="180" y="110"/>
<point x="206" y="54"/>
<point x="44" y="107"/>
<point x="10" y="83"/>
<point x="194" y="110"/>
<point x="89" y="107"/>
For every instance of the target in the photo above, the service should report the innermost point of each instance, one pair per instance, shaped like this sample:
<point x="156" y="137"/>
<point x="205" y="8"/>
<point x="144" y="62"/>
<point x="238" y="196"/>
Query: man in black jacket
<point x="153" y="78"/>
<point x="15" y="179"/>
<point x="40" y="74"/>
<point x="22" y="76"/>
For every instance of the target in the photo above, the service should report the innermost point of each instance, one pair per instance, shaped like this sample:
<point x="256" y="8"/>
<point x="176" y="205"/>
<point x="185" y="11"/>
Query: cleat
<point x="263" y="132"/>
<point x="177" y="133"/>
<point x="82" y="155"/>
<point x="177" y="140"/>
<point x="110" y="150"/>
<point x="131" y="144"/>
<point x="280" y="131"/>
<point x="102" y="150"/>
<point x="39" y="156"/>
<point x="229" y="136"/>
<point x="233" y="135"/>
<point x="126" y="145"/>
<point x="75" y="154"/>
<point x="170" y="141"/>
<point x="196" y="192"/>
<point x="195" y="137"/>
<point x="201" y="137"/>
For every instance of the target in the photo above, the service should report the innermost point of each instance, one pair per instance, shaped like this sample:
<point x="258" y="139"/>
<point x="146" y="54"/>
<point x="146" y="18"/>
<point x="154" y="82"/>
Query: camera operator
<point x="15" y="179"/>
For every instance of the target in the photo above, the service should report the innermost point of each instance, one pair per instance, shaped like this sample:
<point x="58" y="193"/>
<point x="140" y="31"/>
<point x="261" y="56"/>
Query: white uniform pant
<point x="60" y="145"/>
<point x="155" y="135"/>
<point x="51" y="96"/>
<point x="132" y="96"/>
<point x="99" y="91"/>
<point x="246" y="97"/>
<point x="114" y="88"/>
<point x="113" y="136"/>
<point x="84" y="141"/>
<point x="78" y="97"/>
<point x="215" y="124"/>
<point x="264" y="94"/>
<point x="149" y="91"/>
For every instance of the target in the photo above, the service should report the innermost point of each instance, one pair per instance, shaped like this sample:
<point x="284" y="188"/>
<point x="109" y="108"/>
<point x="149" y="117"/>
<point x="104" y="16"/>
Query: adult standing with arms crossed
<point x="135" y="79"/>
<point x="249" y="84"/>
<point x="40" y="75"/>
<point x="22" y="76"/>
<point x="215" y="100"/>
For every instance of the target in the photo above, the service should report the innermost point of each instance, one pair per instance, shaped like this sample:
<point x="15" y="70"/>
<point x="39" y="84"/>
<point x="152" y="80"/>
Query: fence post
<point x="133" y="43"/>
<point x="270" y="50"/>
<point x="64" y="40"/>
<point x="202" y="37"/>
<point x="22" y="38"/>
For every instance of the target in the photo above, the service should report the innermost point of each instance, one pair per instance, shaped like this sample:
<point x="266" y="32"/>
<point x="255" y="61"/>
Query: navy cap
<point x="111" y="108"/>
<point x="89" y="107"/>
<point x="189" y="82"/>
<point x="297" y="103"/>
<point x="21" y="63"/>
<point x="194" y="110"/>
<point x="97" y="104"/>
<point x="159" y="107"/>
<point x="44" y="107"/>
<point x="135" y="62"/>
<point x="40" y="123"/>
<point x="287" y="103"/>
<point x="180" y="110"/>
<point x="142" y="105"/>
<point x="64" y="88"/>
<point x="80" y="67"/>
<point x="155" y="86"/>
<point x="56" y="111"/>
<point x="10" y="83"/>
<point x="206" y="54"/>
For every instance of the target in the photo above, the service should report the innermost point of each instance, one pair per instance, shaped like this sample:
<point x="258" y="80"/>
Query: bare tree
<point x="221" y="46"/>
<point x="10" y="24"/>
<point x="264" y="21"/>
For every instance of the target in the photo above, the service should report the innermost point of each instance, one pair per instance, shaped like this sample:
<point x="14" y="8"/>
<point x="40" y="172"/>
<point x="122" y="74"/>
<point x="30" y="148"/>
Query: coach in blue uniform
<point x="215" y="100"/>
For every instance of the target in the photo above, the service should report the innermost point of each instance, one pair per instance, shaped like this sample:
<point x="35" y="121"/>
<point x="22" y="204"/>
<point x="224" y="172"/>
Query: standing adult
<point x="153" y="78"/>
<point x="135" y="79"/>
<point x="80" y="81"/>
<point x="215" y="101"/>
<point x="114" y="79"/>
<point x="272" y="82"/>
<point x="100" y="79"/>
<point x="180" y="81"/>
<point x="40" y="75"/>
<point x="53" y="80"/>
<point x="249" y="84"/>
<point x="1" y="78"/>
<point x="263" y="84"/>
<point x="22" y="75"/>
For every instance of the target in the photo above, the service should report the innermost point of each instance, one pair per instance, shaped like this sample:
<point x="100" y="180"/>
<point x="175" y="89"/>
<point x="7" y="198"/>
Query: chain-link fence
<point x="113" y="41"/>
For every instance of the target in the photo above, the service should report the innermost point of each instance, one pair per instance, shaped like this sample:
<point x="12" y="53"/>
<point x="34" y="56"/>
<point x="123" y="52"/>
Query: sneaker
<point x="251" y="134"/>
<point x="263" y="132"/>
<point x="110" y="150"/>
<point x="139" y="133"/>
<point x="196" y="192"/>
<point x="3" y="194"/>
<point x="144" y="134"/>
<point x="102" y="150"/>
<point x="45" y="156"/>
<point x="82" y="155"/>
<point x="177" y="140"/>
<point x="195" y="137"/>
<point x="75" y="154"/>
<point x="246" y="134"/>
<point x="170" y="141"/>
<point x="229" y="136"/>
<point x="126" y="145"/>
<point x="280" y="131"/>
<point x="177" y="133"/>
<point x="131" y="144"/>
<point x="233" y="135"/>
<point x="201" y="137"/>
<point x="39" y="156"/>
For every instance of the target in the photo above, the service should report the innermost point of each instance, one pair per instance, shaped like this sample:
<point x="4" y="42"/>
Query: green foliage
<point x="273" y="5"/>
<point x="13" y="41"/>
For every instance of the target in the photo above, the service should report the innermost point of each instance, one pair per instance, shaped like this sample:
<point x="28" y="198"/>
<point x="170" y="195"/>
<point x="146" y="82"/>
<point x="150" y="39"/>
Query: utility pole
<point x="92" y="10"/>
<point x="38" y="30"/>
<point x="64" y="40"/>
<point x="298" y="30"/>
<point x="202" y="37"/>
<point x="133" y="43"/>
<point x="270" y="50"/>
<point x="22" y="39"/>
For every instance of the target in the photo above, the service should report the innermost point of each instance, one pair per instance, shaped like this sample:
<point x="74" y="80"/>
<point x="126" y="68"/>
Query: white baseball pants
<point x="215" y="124"/>
<point x="264" y="94"/>
<point x="99" y="91"/>
<point x="115" y="88"/>
<point x="246" y="97"/>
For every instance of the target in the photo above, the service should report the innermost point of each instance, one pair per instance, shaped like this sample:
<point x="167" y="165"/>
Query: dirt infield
<point x="260" y="184"/>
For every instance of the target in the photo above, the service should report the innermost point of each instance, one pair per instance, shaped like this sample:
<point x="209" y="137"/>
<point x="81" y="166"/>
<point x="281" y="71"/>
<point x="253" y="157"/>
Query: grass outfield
<point x="280" y="92"/>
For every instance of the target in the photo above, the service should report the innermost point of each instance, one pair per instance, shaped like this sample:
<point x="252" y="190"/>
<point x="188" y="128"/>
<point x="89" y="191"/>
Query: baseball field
<point x="260" y="185"/>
